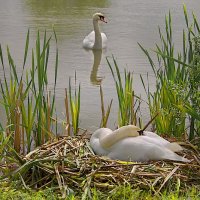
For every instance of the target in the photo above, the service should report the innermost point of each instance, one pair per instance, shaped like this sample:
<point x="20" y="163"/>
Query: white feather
<point x="143" y="148"/>
<point x="96" y="39"/>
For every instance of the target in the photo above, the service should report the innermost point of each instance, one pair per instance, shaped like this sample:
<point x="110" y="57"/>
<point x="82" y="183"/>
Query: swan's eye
<point x="101" y="17"/>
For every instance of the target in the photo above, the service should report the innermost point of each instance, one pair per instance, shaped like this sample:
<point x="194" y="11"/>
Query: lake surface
<point x="129" y="22"/>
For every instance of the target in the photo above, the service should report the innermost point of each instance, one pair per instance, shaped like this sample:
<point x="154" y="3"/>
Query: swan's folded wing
<point x="104" y="40"/>
<point x="175" y="147"/>
<point x="131" y="149"/>
<point x="162" y="142"/>
<point x="137" y="149"/>
<point x="156" y="138"/>
<point x="88" y="41"/>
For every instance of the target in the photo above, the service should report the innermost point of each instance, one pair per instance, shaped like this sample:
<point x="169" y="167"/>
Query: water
<point x="129" y="22"/>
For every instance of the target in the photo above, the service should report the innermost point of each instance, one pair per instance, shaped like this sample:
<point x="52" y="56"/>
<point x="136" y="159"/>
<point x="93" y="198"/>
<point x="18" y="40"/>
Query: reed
<point x="67" y="165"/>
<point x="174" y="88"/>
<point x="74" y="101"/>
<point x="27" y="102"/>
<point x="105" y="114"/>
<point x="4" y="142"/>
<point x="128" y="108"/>
<point x="193" y="109"/>
<point x="67" y="113"/>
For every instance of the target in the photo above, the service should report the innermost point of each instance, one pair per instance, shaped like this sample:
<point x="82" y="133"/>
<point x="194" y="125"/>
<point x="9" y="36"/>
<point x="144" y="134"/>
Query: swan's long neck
<point x="98" y="39"/>
<point x="117" y="135"/>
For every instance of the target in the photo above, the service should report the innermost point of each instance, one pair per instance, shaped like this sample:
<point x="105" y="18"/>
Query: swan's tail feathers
<point x="175" y="147"/>
<point x="186" y="160"/>
<point x="182" y="159"/>
<point x="173" y="156"/>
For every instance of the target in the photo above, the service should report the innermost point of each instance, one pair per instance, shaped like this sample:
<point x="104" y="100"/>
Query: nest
<point x="69" y="165"/>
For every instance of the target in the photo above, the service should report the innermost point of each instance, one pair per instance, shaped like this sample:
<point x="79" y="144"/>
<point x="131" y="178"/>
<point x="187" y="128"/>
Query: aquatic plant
<point x="193" y="109"/>
<point x="26" y="99"/>
<point x="128" y="103"/>
<point x="105" y="114"/>
<point x="74" y="106"/>
<point x="175" y="88"/>
<point x="68" y="166"/>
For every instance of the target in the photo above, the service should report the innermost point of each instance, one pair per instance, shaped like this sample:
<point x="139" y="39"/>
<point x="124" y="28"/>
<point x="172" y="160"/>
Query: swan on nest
<point x="127" y="144"/>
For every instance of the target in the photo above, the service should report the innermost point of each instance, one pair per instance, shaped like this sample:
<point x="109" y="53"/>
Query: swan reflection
<point x="94" y="78"/>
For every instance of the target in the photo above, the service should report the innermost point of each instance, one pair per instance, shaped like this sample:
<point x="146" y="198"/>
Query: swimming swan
<point x="96" y="39"/>
<point x="127" y="144"/>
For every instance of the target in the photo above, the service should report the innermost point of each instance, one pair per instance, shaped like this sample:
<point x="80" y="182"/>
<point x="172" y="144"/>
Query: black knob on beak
<point x="141" y="132"/>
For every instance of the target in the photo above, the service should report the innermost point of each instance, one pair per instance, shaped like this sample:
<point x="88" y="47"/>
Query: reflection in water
<point x="64" y="6"/>
<point x="94" y="79"/>
<point x="130" y="22"/>
<point x="68" y="16"/>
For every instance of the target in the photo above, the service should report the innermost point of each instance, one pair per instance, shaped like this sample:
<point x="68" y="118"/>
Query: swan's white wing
<point x="128" y="149"/>
<point x="156" y="139"/>
<point x="139" y="149"/>
<point x="104" y="40"/>
<point x="88" y="41"/>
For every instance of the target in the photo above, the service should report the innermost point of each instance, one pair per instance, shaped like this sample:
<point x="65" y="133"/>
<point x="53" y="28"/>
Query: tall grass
<point x="174" y="83"/>
<point x="127" y="102"/>
<point x="193" y="107"/>
<point x="27" y="101"/>
<point x="74" y="102"/>
<point x="105" y="114"/>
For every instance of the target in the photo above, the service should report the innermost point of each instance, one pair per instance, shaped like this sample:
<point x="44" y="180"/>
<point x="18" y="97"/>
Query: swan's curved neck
<point x="117" y="135"/>
<point x="98" y="39"/>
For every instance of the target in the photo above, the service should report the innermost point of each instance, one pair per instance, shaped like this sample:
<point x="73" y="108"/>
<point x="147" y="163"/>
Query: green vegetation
<point x="66" y="167"/>
<point x="121" y="192"/>
<point x="8" y="192"/>
<point x="193" y="108"/>
<point x="27" y="101"/>
<point x="126" y="98"/>
<point x="104" y="114"/>
<point x="75" y="106"/>
<point x="176" y="97"/>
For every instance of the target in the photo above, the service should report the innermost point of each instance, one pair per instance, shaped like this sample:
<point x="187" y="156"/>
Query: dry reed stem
<point x="48" y="112"/>
<point x="102" y="104"/>
<point x="104" y="115"/>
<point x="17" y="137"/>
<point x="68" y="163"/>
<point x="167" y="178"/>
<point x="67" y="112"/>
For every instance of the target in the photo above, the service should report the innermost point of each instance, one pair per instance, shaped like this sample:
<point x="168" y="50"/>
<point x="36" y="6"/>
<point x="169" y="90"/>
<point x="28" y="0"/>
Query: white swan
<point x="127" y="144"/>
<point x="96" y="39"/>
